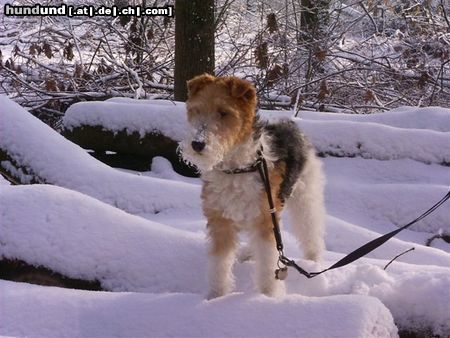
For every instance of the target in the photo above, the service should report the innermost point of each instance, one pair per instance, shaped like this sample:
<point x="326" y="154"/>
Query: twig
<point x="76" y="42"/>
<point x="8" y="177"/>
<point x="139" y="90"/>
<point x="444" y="13"/>
<point x="440" y="235"/>
<point x="370" y="17"/>
<point x="93" y="55"/>
<point x="393" y="259"/>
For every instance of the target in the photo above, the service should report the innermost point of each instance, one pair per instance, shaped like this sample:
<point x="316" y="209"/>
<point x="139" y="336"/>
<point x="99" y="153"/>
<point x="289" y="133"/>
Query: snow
<point x="90" y="314"/>
<point x="142" y="236"/>
<point x="421" y="134"/>
<point x="372" y="140"/>
<point x="433" y="118"/>
<point x="416" y="184"/>
<point x="132" y="115"/>
<point x="50" y="217"/>
<point x="81" y="172"/>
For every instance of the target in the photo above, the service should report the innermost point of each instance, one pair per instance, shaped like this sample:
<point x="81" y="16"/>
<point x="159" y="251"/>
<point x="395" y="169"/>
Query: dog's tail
<point x="307" y="210"/>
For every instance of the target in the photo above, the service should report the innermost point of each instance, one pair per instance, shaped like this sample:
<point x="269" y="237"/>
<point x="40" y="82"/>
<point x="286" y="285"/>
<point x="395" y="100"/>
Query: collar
<point x="251" y="168"/>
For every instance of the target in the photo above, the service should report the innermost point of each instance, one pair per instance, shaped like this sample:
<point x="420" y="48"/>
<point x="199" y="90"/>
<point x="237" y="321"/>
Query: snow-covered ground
<point x="142" y="234"/>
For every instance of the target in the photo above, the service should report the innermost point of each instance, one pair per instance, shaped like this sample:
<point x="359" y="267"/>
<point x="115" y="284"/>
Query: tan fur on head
<point x="221" y="112"/>
<point x="238" y="88"/>
<point x="197" y="83"/>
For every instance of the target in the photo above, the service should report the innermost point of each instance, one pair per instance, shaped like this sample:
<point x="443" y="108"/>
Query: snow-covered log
<point x="420" y="134"/>
<point x="48" y="157"/>
<point x="151" y="128"/>
<point x="131" y="150"/>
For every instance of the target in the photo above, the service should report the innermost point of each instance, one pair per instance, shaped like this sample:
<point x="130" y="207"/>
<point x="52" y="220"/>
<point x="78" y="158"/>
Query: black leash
<point x="281" y="272"/>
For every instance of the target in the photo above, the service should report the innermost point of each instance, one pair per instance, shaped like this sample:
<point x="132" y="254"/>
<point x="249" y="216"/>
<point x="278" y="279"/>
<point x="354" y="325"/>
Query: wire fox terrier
<point x="225" y="135"/>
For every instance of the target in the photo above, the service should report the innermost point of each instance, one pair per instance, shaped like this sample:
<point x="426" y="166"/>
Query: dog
<point x="224" y="138"/>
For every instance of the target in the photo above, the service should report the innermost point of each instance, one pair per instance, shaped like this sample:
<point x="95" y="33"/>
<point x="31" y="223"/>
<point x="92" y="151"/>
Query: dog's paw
<point x="277" y="289"/>
<point x="313" y="255"/>
<point x="212" y="294"/>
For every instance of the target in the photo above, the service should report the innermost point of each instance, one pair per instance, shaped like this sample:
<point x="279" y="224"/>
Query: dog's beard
<point x="205" y="161"/>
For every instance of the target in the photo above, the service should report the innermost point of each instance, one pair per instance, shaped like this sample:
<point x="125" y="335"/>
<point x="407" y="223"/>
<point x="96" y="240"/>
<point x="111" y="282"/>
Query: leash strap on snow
<point x="281" y="272"/>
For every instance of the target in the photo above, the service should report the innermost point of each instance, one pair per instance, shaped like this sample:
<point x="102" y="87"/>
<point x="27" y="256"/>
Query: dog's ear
<point x="198" y="82"/>
<point x="240" y="88"/>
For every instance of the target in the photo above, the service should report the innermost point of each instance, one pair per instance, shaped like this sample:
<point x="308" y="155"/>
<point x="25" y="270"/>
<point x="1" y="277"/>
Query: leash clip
<point x="282" y="272"/>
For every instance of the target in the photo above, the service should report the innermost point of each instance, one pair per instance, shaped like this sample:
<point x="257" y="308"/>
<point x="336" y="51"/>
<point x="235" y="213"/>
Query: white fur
<point x="236" y="196"/>
<point x="266" y="257"/>
<point x="306" y="209"/>
<point x="220" y="275"/>
<point x="210" y="156"/>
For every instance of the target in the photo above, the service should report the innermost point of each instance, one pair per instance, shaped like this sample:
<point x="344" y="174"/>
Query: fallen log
<point x="20" y="271"/>
<point x="132" y="150"/>
<point x="14" y="172"/>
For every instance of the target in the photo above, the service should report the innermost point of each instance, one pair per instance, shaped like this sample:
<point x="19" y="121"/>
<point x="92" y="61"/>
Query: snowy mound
<point x="65" y="164"/>
<point x="142" y="236"/>
<point x="84" y="238"/>
<point x="90" y="314"/>
<point x="421" y="134"/>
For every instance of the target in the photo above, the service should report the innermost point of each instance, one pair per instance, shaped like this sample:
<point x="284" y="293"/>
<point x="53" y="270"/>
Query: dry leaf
<point x="272" y="24"/>
<point x="47" y="50"/>
<point x="51" y="86"/>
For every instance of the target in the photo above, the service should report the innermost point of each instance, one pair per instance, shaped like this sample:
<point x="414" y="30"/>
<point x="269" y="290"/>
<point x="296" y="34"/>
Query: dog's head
<point x="221" y="112"/>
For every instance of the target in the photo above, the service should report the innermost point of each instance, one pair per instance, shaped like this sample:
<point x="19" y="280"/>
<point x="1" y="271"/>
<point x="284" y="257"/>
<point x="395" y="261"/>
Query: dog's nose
<point x="198" y="146"/>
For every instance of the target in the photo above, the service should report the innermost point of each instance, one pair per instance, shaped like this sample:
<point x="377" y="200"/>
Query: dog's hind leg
<point x="306" y="209"/>
<point x="222" y="252"/>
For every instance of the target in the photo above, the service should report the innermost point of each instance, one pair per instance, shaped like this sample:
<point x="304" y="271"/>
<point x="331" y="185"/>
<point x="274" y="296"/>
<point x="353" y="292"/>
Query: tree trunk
<point x="194" y="42"/>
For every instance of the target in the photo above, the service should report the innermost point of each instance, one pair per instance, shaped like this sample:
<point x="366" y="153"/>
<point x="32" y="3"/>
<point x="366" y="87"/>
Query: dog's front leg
<point x="266" y="258"/>
<point x="222" y="252"/>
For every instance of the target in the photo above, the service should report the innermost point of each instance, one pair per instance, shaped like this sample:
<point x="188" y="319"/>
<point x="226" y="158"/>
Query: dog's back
<point x="289" y="145"/>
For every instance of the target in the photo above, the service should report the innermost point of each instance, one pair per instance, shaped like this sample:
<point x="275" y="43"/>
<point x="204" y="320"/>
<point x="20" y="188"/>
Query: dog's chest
<point x="236" y="196"/>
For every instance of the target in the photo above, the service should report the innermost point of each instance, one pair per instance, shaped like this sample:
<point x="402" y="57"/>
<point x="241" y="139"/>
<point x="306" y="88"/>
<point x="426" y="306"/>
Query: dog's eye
<point x="222" y="113"/>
